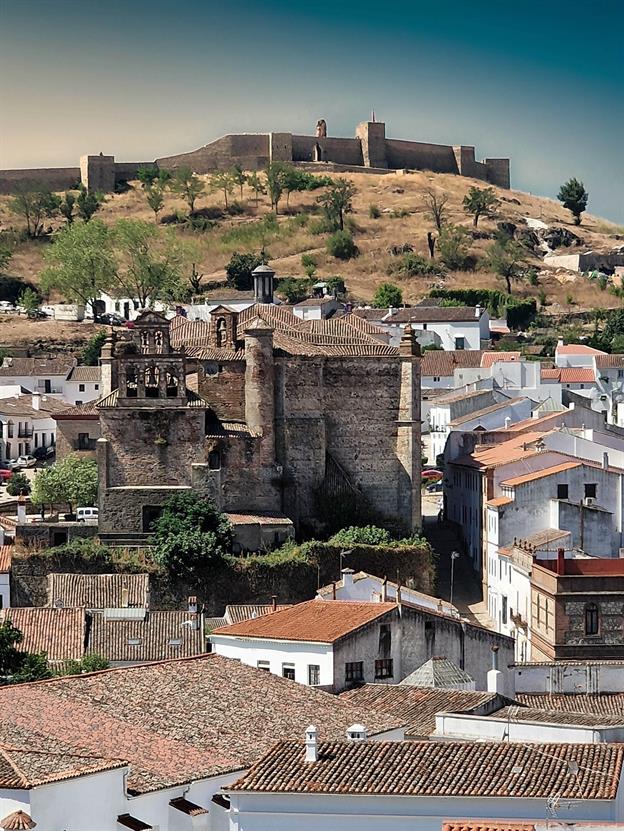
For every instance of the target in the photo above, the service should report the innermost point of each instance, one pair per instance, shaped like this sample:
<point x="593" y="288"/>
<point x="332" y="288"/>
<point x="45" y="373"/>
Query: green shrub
<point x="374" y="212"/>
<point x="239" y="270"/>
<point x="341" y="245"/>
<point x="293" y="290"/>
<point x="453" y="247"/>
<point x="366" y="535"/>
<point x="414" y="265"/>
<point x="322" y="225"/>
<point x="387" y="295"/>
<point x="18" y="483"/>
<point x="309" y="264"/>
<point x="399" y="213"/>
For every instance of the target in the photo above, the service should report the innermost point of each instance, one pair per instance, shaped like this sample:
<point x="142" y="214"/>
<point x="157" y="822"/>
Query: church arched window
<point x="152" y="379"/>
<point x="221" y="332"/>
<point x="131" y="382"/>
<point x="145" y="341"/>
<point x="172" y="385"/>
<point x="158" y="341"/>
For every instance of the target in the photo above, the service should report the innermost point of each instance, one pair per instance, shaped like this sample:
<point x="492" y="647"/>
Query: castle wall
<point x="498" y="172"/>
<point x="251" y="151"/>
<point x="223" y="385"/>
<point x="55" y="178"/>
<point x="438" y="158"/>
<point x="339" y="150"/>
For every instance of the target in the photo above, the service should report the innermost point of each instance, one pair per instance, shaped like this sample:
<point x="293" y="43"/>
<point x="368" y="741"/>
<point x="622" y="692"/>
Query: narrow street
<point x="467" y="590"/>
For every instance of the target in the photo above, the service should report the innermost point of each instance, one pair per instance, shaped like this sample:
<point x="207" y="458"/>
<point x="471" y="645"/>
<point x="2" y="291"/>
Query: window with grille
<point x="383" y="668"/>
<point x="354" y="671"/>
<point x="314" y="675"/>
<point x="288" y="671"/>
<point x="592" y="619"/>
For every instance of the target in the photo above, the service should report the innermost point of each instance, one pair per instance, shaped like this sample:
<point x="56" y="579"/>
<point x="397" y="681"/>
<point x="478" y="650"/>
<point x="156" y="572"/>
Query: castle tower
<point x="372" y="136"/>
<point x="260" y="386"/>
<point x="408" y="432"/>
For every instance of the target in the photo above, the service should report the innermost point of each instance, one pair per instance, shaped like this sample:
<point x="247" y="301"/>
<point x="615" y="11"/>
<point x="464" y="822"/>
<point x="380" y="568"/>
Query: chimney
<point x="21" y="509"/>
<point x="347" y="580"/>
<point x="36" y="400"/>
<point x="263" y="283"/>
<point x="192" y="605"/>
<point x="560" y="561"/>
<point x="384" y="590"/>
<point x="124" y="597"/>
<point x="605" y="461"/>
<point x="357" y="733"/>
<point x="398" y="593"/>
<point x="274" y="603"/>
<point x="495" y="679"/>
<point x="333" y="589"/>
<point x="311" y="744"/>
<point x="477" y="311"/>
<point x="507" y="422"/>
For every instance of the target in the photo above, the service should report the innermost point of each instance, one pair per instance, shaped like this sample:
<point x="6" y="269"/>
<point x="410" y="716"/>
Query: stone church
<point x="261" y="412"/>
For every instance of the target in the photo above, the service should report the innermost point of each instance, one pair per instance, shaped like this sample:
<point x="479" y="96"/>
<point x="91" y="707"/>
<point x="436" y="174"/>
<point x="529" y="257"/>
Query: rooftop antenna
<point x="373" y="119"/>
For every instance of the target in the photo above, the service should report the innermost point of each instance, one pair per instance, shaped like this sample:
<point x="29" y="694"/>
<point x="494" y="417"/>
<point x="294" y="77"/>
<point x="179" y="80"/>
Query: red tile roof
<point x="435" y="314"/>
<point x="60" y="633"/>
<point x="174" y="721"/>
<point x="459" y="769"/>
<point x="604" y="704"/>
<point x="540" y="474"/>
<point x="318" y="621"/>
<point x="487" y="825"/>
<point x="489" y="358"/>
<point x="577" y="349"/>
<point x="6" y="556"/>
<point x="440" y="363"/>
<point x="98" y="591"/>
<point x="577" y="375"/>
<point x="23" y="768"/>
<point x="17" y="821"/>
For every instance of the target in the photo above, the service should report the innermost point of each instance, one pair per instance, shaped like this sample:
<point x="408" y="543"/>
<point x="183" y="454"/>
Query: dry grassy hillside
<point x="403" y="219"/>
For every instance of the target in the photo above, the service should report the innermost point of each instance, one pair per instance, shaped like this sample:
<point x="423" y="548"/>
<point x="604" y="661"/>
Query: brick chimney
<point x="560" y="565"/>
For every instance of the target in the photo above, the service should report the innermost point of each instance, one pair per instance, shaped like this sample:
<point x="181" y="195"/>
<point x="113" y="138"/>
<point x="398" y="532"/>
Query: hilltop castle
<point x="369" y="150"/>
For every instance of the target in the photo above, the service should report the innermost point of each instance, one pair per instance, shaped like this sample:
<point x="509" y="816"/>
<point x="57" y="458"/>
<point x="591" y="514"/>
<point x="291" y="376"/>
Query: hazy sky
<point x="542" y="83"/>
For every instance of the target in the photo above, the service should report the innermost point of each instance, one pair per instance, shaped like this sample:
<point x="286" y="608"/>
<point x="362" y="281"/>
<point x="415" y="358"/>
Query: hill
<point x="398" y="201"/>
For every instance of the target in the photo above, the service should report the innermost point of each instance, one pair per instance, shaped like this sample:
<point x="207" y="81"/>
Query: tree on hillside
<point x="73" y="480"/>
<point x="66" y="208"/>
<point x="239" y="270"/>
<point x="574" y="198"/>
<point x="435" y="203"/>
<point x="238" y="177"/>
<point x="453" y="247"/>
<point x="154" y="180"/>
<point x="338" y="201"/>
<point x="224" y="181"/>
<point x="190" y="533"/>
<point x="479" y="202"/>
<point x="256" y="184"/>
<point x="277" y="174"/>
<point x="93" y="349"/>
<point x="187" y="185"/>
<point x="34" y="205"/>
<point x="387" y="296"/>
<point x="16" y="666"/>
<point x="151" y="262"/>
<point x="507" y="258"/>
<point x="88" y="202"/>
<point x="29" y="300"/>
<point x="81" y="263"/>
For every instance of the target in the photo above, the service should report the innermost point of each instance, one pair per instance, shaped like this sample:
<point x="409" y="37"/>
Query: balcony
<point x="84" y="445"/>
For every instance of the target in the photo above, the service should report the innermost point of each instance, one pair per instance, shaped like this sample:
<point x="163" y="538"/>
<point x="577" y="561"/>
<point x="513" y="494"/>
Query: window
<point x="81" y="387"/>
<point x="288" y="671"/>
<point x="221" y="332"/>
<point x="592" y="621"/>
<point x="590" y="490"/>
<point x="354" y="671"/>
<point x="84" y="441"/>
<point x="214" y="460"/>
<point x="504" y="610"/>
<point x="78" y="403"/>
<point x="152" y="381"/>
<point x="96" y="386"/>
<point x="460" y="343"/>
<point x="314" y="675"/>
<point x="131" y="383"/>
<point x="436" y="378"/>
<point x="383" y="668"/>
<point x="172" y="385"/>
<point x="264" y="665"/>
<point x="562" y="491"/>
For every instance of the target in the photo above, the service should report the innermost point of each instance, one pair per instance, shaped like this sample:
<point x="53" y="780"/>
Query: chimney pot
<point x="357" y="733"/>
<point x="311" y="744"/>
<point x="124" y="597"/>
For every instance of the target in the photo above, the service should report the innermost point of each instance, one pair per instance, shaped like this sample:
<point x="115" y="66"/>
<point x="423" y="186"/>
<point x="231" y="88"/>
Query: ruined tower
<point x="409" y="451"/>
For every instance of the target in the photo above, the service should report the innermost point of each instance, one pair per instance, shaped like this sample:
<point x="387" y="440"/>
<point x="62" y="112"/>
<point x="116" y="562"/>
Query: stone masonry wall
<point x="67" y="432"/>
<point x="340" y="150"/>
<point x="223" y="385"/>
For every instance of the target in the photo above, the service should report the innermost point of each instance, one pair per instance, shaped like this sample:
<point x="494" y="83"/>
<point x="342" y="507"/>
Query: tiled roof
<point x="237" y="612"/>
<point x="463" y="394"/>
<point x="318" y="621"/>
<point x="577" y="349"/>
<point x="315" y="301"/>
<point x="515" y="713"/>
<point x="437" y="363"/>
<point x="6" y="556"/>
<point x="416" y="706"/>
<point x="370" y="314"/>
<point x="36" y="367"/>
<point x="489" y="358"/>
<point x="159" y="636"/>
<point x="609" y="361"/>
<point x="24" y="768"/>
<point x="437" y="672"/>
<point x="459" y="769"/>
<point x="415" y="597"/>
<point x="498" y="501"/>
<point x="187" y="807"/>
<point x="259" y="519"/>
<point x="550" y="374"/>
<point x="22" y="406"/>
<point x="85" y="374"/>
<point x="487" y="825"/>
<point x="477" y="414"/>
<point x="604" y="704"/>
<point x="60" y="633"/>
<point x="540" y="474"/>
<point x="515" y="448"/>
<point x="174" y="721"/>
<point x="79" y="411"/>
<point x="98" y="591"/>
<point x="17" y="821"/>
<point x="569" y="374"/>
<point x="435" y="314"/>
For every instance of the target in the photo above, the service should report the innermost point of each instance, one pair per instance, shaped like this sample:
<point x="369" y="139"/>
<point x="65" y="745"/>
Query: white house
<point x="358" y="785"/>
<point x="27" y="423"/>
<point x="575" y="354"/>
<point x="449" y="327"/>
<point x="57" y="377"/>
<point x="316" y="308"/>
<point x="82" y="385"/>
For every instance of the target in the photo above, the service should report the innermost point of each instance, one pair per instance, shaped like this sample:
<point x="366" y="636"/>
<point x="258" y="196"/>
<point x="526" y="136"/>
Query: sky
<point x="541" y="83"/>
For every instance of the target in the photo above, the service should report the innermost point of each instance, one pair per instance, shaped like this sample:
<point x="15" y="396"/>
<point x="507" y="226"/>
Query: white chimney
<point x="347" y="580"/>
<point x="357" y="733"/>
<point x="21" y="509"/>
<point x="36" y="400"/>
<point x="192" y="605"/>
<point x="605" y="461"/>
<point x="477" y="311"/>
<point x="496" y="681"/>
<point x="124" y="597"/>
<point x="311" y="744"/>
<point x="507" y="422"/>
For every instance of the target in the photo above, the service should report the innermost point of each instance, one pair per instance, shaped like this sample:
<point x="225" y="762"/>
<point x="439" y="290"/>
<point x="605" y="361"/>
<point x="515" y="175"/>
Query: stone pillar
<point x="108" y="381"/>
<point x="372" y="135"/>
<point x="408" y="432"/>
<point x="260" y="386"/>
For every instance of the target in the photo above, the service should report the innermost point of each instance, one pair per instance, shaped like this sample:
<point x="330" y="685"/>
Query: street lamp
<point x="454" y="556"/>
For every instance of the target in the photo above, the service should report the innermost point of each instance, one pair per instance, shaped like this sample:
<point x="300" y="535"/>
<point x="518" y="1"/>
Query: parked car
<point x="44" y="452"/>
<point x="24" y="461"/>
<point x="434" y="487"/>
<point x="5" y="306"/>
<point x="87" y="514"/>
<point x="111" y="319"/>
<point x="37" y="314"/>
<point x="5" y="474"/>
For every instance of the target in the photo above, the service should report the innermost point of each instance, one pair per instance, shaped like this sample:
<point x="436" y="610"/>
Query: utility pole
<point x="454" y="556"/>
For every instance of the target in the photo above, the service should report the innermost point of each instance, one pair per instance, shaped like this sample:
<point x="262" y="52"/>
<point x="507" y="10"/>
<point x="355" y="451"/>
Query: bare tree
<point x="435" y="203"/>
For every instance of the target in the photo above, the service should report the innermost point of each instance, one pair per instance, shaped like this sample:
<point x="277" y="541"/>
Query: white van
<point x="86" y="514"/>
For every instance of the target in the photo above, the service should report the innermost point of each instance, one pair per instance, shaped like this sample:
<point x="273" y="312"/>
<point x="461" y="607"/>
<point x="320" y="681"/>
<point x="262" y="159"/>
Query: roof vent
<point x="357" y="733"/>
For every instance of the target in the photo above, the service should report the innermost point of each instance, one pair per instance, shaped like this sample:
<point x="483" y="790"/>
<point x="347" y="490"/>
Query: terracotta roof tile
<point x="487" y="825"/>
<point x="540" y="474"/>
<point x="17" y="821"/>
<point x="79" y="411"/>
<point x="536" y="714"/>
<point x="85" y="374"/>
<point x="60" y="633"/>
<point x="517" y="447"/>
<point x="159" y="636"/>
<point x="490" y="358"/>
<point x="6" y="556"/>
<point x="442" y="364"/>
<point x="498" y="501"/>
<point x="24" y="768"/>
<point x="150" y="716"/>
<point x="434" y="314"/>
<point x="320" y="621"/>
<point x="459" y="769"/>
<point x="603" y="704"/>
<point x="237" y="612"/>
<point x="416" y="706"/>
<point x="577" y="349"/>
<point x="609" y="361"/>
<point x="98" y="591"/>
<point x="36" y="367"/>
